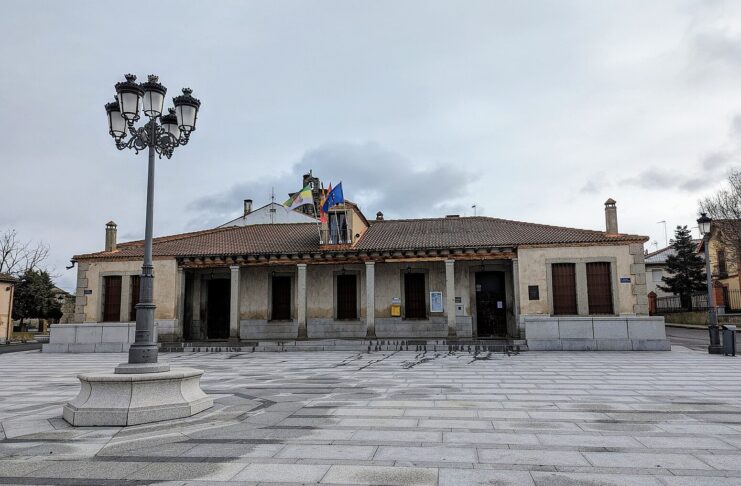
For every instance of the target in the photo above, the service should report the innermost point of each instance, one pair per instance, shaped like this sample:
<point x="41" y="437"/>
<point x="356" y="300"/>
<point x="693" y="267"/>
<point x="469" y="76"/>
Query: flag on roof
<point x="334" y="197"/>
<point x="302" y="197"/>
<point x="322" y="212"/>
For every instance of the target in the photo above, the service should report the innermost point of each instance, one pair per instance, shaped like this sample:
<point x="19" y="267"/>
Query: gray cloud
<point x="376" y="178"/>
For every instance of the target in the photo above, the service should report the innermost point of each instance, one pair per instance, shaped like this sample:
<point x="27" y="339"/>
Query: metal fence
<point x="696" y="302"/>
<point x="729" y="300"/>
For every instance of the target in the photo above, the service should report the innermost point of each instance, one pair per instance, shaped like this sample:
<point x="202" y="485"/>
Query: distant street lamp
<point x="173" y="130"/>
<point x="703" y="223"/>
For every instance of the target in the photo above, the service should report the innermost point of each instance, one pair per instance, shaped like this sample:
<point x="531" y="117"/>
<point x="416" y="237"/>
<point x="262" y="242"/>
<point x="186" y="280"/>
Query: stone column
<point x="582" y="297"/>
<point x="301" y="301"/>
<point x="180" y="304"/>
<point x="370" y="298"/>
<point x="516" y="294"/>
<point x="125" y="298"/>
<point x="234" y="303"/>
<point x="450" y="296"/>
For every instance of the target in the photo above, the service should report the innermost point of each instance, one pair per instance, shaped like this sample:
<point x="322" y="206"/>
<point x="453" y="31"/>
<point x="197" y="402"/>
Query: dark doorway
<point x="415" y="306"/>
<point x="281" y="295"/>
<point x="134" y="296"/>
<point x="112" y="299"/>
<point x="217" y="318"/>
<point x="347" y="297"/>
<point x="491" y="305"/>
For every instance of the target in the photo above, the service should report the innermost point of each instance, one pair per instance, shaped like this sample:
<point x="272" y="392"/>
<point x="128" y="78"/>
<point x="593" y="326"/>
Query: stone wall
<point x="619" y="333"/>
<point x="96" y="337"/>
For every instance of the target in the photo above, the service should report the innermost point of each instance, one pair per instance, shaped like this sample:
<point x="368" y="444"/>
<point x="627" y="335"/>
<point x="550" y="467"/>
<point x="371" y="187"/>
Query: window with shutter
<point x="415" y="306"/>
<point x="563" y="276"/>
<point x="134" y="296"/>
<point x="112" y="298"/>
<point x="599" y="288"/>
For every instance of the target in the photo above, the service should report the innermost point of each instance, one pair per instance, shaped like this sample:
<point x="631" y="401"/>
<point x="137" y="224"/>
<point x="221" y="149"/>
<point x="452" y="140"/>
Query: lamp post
<point x="703" y="223"/>
<point x="161" y="134"/>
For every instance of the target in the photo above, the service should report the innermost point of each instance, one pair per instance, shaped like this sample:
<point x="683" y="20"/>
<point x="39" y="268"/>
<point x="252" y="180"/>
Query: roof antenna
<point x="272" y="201"/>
<point x="666" y="239"/>
<point x="474" y="209"/>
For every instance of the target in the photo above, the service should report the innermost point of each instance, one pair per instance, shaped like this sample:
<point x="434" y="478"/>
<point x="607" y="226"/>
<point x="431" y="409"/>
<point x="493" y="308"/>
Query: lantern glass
<point x="153" y="101"/>
<point x="172" y="129"/>
<point x="129" y="102"/>
<point x="703" y="223"/>
<point x="117" y="124"/>
<point x="186" y="117"/>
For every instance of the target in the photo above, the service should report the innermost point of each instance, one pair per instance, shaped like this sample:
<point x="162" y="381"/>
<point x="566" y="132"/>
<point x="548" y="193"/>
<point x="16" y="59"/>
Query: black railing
<point x="696" y="302"/>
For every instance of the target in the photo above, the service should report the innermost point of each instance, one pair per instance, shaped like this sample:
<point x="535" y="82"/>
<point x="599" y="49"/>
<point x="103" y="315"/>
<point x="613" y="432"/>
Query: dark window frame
<point x="134" y="287"/>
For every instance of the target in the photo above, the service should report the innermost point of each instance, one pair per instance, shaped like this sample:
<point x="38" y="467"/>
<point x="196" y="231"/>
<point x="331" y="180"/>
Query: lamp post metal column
<point x="704" y="223"/>
<point x="173" y="131"/>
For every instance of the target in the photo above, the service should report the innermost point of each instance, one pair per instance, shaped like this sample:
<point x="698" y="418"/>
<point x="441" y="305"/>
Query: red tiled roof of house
<point x="401" y="234"/>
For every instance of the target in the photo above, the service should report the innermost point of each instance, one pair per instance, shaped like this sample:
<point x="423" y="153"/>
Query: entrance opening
<point x="491" y="305"/>
<point x="217" y="316"/>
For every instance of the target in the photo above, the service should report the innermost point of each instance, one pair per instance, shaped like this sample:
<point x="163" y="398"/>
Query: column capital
<point x="301" y="265"/>
<point x="449" y="261"/>
<point x="234" y="268"/>
<point x="370" y="263"/>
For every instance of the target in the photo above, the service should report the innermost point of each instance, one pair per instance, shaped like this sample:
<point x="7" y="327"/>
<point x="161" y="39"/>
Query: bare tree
<point x="725" y="209"/>
<point x="18" y="257"/>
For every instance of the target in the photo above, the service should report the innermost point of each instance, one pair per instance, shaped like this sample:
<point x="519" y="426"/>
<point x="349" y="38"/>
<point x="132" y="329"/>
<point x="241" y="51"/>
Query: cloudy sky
<point x="536" y="111"/>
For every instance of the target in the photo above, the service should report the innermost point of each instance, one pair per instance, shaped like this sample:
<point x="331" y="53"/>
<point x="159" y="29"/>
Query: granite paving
<point x="395" y="418"/>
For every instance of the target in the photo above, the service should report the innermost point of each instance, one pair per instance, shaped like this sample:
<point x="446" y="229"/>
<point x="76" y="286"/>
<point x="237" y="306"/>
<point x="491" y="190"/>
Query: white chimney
<point x="110" y="236"/>
<point x="611" y="221"/>
<point x="247" y="206"/>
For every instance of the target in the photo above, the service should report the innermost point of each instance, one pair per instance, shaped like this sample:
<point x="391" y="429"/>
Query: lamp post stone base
<point x="116" y="399"/>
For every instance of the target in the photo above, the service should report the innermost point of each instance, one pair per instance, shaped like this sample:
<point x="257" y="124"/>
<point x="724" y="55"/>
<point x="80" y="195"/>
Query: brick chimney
<point x="611" y="221"/>
<point x="110" y="236"/>
<point x="247" y="206"/>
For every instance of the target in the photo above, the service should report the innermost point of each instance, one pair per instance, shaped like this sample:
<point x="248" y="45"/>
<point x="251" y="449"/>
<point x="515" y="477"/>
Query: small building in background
<point x="656" y="269"/>
<point x="7" y="290"/>
<point x="271" y="213"/>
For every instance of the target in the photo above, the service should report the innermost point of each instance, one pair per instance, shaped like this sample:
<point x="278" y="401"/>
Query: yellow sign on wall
<point x="395" y="310"/>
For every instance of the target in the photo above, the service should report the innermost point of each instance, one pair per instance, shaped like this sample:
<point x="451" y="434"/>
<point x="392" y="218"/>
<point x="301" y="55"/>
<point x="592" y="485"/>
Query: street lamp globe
<point x="116" y="122"/>
<point x="703" y="222"/>
<point x="186" y="110"/>
<point x="129" y="95"/>
<point x="170" y="123"/>
<point x="154" y="96"/>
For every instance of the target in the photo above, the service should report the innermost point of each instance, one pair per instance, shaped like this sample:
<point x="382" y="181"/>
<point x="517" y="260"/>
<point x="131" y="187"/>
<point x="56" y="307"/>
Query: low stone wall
<point x="95" y="337"/>
<point x="618" y="333"/>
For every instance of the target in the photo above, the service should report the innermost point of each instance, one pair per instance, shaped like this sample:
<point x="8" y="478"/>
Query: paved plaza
<point x="671" y="418"/>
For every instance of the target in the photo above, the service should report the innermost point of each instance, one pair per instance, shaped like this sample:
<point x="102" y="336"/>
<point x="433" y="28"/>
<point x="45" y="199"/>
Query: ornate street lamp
<point x="703" y="223"/>
<point x="172" y="131"/>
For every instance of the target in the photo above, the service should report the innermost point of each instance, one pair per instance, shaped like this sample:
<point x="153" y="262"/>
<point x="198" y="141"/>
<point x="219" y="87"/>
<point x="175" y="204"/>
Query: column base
<point x="116" y="399"/>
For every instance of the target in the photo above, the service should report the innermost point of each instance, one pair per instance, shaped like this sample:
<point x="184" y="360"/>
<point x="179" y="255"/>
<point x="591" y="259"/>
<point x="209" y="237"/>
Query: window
<point x="338" y="230"/>
<point x="599" y="288"/>
<point x="722" y="262"/>
<point x="656" y="275"/>
<point x="414" y="296"/>
<point x="281" y="298"/>
<point x="112" y="298"/>
<point x="134" y="296"/>
<point x="563" y="277"/>
<point x="347" y="297"/>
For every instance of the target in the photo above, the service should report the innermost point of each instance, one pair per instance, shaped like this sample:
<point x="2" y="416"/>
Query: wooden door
<point x="281" y="296"/>
<point x="112" y="298"/>
<point x="563" y="276"/>
<point x="599" y="288"/>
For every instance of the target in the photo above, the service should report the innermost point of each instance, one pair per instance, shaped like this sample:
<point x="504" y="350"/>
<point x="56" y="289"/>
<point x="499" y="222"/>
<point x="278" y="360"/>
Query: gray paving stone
<point x="532" y="457"/>
<point x="456" y="477"/>
<point x="392" y="476"/>
<point x="327" y="452"/>
<point x="589" y="479"/>
<point x="185" y="470"/>
<point x="282" y="472"/>
<point x="426" y="454"/>
<point x="644" y="460"/>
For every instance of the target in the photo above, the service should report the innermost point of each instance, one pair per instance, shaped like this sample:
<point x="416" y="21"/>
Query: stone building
<point x="453" y="278"/>
<point x="7" y="289"/>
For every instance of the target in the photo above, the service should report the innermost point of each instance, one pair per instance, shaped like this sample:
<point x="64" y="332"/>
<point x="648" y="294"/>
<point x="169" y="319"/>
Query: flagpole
<point x="347" y="225"/>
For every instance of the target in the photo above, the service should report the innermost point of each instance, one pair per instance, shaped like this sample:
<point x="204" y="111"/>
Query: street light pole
<point x="173" y="131"/>
<point x="704" y="223"/>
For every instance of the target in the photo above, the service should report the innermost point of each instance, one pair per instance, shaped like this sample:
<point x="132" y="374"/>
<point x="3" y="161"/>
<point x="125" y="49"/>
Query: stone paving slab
<point x="400" y="418"/>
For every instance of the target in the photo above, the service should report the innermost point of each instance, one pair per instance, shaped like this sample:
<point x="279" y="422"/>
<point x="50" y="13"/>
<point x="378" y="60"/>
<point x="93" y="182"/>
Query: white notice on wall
<point x="500" y="304"/>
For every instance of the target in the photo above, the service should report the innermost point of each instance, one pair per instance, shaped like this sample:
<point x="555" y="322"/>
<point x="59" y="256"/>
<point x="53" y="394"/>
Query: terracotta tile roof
<point x="403" y="234"/>
<point x="473" y="232"/>
<point x="4" y="277"/>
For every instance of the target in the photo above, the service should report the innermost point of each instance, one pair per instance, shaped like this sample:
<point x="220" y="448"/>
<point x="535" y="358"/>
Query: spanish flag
<point x="322" y="212"/>
<point x="302" y="197"/>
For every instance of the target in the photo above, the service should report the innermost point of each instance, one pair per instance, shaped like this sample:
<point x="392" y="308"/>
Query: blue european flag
<point x="334" y="197"/>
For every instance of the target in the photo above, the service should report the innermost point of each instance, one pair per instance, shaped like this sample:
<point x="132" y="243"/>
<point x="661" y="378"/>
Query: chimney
<point x="110" y="236"/>
<point x="611" y="222"/>
<point x="379" y="216"/>
<point x="247" y="206"/>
